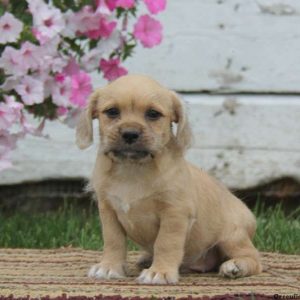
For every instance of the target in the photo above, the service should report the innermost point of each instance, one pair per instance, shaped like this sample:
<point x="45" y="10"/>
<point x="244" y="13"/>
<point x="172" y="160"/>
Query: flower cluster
<point x="48" y="48"/>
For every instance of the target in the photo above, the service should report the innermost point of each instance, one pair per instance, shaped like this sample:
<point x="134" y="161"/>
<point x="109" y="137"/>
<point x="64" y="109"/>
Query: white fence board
<point x="244" y="141"/>
<point x="226" y="45"/>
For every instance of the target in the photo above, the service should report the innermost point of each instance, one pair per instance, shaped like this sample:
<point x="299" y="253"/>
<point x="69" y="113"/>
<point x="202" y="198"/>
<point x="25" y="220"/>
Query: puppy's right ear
<point x="184" y="134"/>
<point x="84" y="129"/>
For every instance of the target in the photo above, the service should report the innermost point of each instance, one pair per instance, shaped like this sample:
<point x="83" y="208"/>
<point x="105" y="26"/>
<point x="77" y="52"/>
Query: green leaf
<point x="75" y="47"/>
<point x="127" y="51"/>
<point x="27" y="35"/>
<point x="133" y="11"/>
<point x="2" y="9"/>
<point x="19" y="8"/>
<point x="120" y="11"/>
<point x="46" y="109"/>
<point x="93" y="44"/>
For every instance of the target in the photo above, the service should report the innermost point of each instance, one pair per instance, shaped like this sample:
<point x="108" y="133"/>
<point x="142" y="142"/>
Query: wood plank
<point x="242" y="140"/>
<point x="226" y="45"/>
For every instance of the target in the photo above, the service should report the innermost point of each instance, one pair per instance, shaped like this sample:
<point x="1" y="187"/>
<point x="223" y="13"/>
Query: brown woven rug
<point x="55" y="272"/>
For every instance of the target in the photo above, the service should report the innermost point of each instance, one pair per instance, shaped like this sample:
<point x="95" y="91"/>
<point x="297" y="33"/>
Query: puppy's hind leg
<point x="208" y="262"/>
<point x="243" y="257"/>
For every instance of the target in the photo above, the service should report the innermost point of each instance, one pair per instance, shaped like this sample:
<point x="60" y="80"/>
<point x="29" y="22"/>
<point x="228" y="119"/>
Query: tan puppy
<point x="148" y="192"/>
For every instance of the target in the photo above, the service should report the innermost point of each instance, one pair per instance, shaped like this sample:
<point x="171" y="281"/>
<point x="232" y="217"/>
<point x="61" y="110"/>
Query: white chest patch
<point x="123" y="196"/>
<point x="119" y="204"/>
<point x="127" y="188"/>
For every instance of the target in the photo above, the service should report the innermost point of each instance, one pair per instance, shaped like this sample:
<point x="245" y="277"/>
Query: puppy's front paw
<point x="231" y="269"/>
<point x="106" y="271"/>
<point x="155" y="276"/>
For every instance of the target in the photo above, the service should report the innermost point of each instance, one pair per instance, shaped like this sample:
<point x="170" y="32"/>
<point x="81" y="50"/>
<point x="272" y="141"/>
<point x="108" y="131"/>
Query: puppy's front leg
<point x="168" y="250"/>
<point x="114" y="251"/>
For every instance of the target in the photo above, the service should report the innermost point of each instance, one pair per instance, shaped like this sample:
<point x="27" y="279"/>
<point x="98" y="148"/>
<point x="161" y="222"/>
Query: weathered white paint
<point x="242" y="140"/>
<point x="215" y="46"/>
<point x="226" y="45"/>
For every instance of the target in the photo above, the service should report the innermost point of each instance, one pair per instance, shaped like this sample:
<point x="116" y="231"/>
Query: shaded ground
<point x="49" y="194"/>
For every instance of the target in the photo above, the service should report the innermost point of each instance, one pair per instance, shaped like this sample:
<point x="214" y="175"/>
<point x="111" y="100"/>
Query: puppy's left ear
<point x="84" y="129"/>
<point x="184" y="133"/>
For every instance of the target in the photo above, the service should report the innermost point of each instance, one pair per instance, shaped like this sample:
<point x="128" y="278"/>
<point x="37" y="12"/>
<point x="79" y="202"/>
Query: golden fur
<point x="181" y="217"/>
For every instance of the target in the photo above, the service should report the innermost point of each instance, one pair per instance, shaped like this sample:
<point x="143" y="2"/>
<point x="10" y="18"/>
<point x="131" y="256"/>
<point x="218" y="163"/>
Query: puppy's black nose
<point x="130" y="136"/>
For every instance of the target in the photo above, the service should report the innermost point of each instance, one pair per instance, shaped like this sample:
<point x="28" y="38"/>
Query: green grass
<point x="67" y="227"/>
<point x="277" y="231"/>
<point x="80" y="228"/>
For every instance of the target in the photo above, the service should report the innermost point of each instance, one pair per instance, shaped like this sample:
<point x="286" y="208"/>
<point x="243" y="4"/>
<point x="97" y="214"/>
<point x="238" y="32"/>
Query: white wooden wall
<point x="227" y="45"/>
<point x="242" y="140"/>
<point x="248" y="52"/>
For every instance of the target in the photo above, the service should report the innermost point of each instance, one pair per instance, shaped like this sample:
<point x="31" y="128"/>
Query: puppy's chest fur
<point x="126" y="193"/>
<point x="134" y="201"/>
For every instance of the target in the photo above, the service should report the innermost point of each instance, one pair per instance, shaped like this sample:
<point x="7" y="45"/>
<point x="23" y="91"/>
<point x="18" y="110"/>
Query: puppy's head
<point x="135" y="115"/>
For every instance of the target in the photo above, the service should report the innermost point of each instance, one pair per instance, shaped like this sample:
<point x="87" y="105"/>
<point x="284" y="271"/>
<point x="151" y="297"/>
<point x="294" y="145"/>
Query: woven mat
<point x="63" y="271"/>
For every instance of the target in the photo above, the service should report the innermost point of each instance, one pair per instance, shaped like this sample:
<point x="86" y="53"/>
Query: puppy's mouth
<point x="134" y="154"/>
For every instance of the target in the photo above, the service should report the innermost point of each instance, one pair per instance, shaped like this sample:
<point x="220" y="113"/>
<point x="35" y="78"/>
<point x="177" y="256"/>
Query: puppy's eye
<point x="152" y="114"/>
<point x="112" y="113"/>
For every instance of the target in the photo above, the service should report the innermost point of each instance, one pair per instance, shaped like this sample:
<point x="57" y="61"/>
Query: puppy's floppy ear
<point x="84" y="129"/>
<point x="184" y="133"/>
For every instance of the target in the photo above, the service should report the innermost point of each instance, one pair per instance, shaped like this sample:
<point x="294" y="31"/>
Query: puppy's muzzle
<point x="130" y="136"/>
<point x="131" y="145"/>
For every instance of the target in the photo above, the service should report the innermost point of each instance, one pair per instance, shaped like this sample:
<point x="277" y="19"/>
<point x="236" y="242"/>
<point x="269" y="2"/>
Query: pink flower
<point x="29" y="56"/>
<point x="72" y="68"/>
<point x="41" y="37"/>
<point x="104" y="29"/>
<point x="51" y="59"/>
<point x="155" y="6"/>
<point x="91" y="59"/>
<point x="87" y="20"/>
<point x="62" y="111"/>
<point x="6" y="116"/>
<point x="48" y="82"/>
<point x="111" y="4"/>
<point x="10" y="28"/>
<point x="102" y="7"/>
<point x="81" y="88"/>
<point x="7" y="141"/>
<point x="31" y="129"/>
<point x="31" y="90"/>
<point x="111" y="69"/>
<point x="35" y="6"/>
<point x="71" y="24"/>
<point x="11" y="61"/>
<point x="72" y="117"/>
<point x="57" y="63"/>
<point x="5" y="161"/>
<point x="10" y="112"/>
<point x="48" y="21"/>
<point x="50" y="48"/>
<point x="14" y="106"/>
<point x="107" y="46"/>
<point x="61" y="92"/>
<point x="148" y="31"/>
<point x="60" y="77"/>
<point x="9" y="83"/>
<point x="126" y="4"/>
<point x="7" y="144"/>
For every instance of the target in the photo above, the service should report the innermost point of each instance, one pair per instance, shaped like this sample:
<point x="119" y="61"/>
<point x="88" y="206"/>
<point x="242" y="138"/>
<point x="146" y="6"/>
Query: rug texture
<point x="53" y="273"/>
